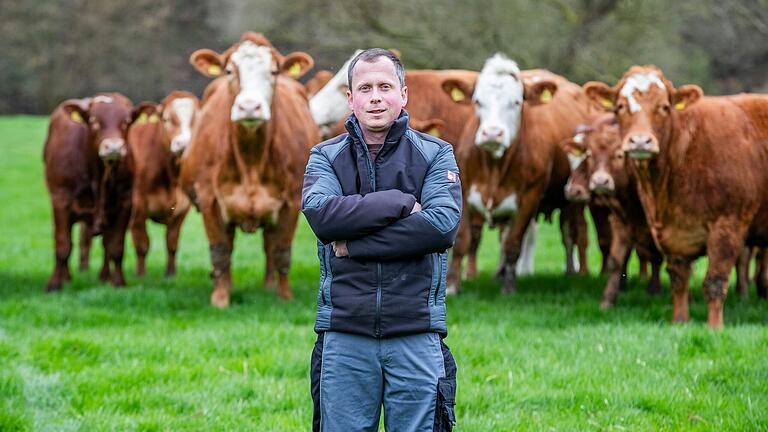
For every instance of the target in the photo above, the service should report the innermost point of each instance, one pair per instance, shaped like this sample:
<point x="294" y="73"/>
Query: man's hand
<point x="340" y="248"/>
<point x="416" y="208"/>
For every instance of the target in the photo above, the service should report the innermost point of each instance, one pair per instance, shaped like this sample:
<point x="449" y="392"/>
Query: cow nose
<point x="601" y="183"/>
<point x="250" y="107"/>
<point x="576" y="193"/>
<point x="641" y="140"/>
<point x="112" y="148"/>
<point x="178" y="145"/>
<point x="492" y="134"/>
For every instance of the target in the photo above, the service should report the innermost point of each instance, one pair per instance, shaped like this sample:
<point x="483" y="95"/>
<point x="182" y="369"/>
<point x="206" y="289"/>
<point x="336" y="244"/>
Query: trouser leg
<point x="351" y="383"/>
<point x="413" y="368"/>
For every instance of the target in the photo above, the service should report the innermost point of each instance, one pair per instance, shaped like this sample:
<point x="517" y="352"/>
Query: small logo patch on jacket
<point x="451" y="176"/>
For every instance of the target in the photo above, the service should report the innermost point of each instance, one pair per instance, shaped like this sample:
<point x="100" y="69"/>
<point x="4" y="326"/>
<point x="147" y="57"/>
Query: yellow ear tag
<point x="606" y="103"/>
<point x="142" y="118"/>
<point x="546" y="96"/>
<point x="457" y="95"/>
<point x="154" y="118"/>
<point x="76" y="117"/>
<point x="214" y="70"/>
<point x="295" y="70"/>
<point x="434" y="132"/>
<point x="680" y="106"/>
<point x="576" y="152"/>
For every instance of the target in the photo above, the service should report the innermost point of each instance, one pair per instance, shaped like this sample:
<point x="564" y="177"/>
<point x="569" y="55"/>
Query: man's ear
<point x="77" y="109"/>
<point x="296" y="64"/>
<point x="146" y="112"/>
<point x="602" y="96"/>
<point x="686" y="95"/>
<point x="208" y="62"/>
<point x="459" y="91"/>
<point x="540" y="92"/>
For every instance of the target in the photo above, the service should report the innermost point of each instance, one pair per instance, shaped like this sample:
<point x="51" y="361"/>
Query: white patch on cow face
<point x="329" y="104"/>
<point x="255" y="66"/>
<point x="102" y="99"/>
<point x="498" y="101"/>
<point x="185" y="111"/>
<point x="641" y="83"/>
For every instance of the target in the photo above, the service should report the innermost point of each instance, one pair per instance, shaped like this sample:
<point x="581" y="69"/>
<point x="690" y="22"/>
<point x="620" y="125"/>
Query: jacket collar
<point x="396" y="131"/>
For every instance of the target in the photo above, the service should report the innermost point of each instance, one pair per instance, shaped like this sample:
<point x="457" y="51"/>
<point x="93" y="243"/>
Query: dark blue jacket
<point x="393" y="281"/>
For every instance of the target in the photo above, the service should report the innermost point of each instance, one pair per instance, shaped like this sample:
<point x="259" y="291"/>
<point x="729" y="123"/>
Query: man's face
<point x="376" y="97"/>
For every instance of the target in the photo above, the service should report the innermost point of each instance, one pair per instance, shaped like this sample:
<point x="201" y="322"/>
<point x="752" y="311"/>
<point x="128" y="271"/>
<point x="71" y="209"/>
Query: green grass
<point x="156" y="356"/>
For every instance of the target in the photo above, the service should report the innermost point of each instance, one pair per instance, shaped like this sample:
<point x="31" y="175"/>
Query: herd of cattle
<point x="663" y="170"/>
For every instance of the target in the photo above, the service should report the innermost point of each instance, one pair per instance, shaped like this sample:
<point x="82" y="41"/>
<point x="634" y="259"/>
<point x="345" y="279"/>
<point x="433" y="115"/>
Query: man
<point x="384" y="202"/>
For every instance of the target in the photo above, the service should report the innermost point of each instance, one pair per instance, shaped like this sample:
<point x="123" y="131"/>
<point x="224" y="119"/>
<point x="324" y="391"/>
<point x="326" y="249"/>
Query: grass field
<point x="156" y="356"/>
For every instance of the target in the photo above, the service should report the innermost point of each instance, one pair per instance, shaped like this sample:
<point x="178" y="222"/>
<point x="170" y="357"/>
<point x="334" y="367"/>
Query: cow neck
<point x="253" y="149"/>
<point x="498" y="169"/>
<point x="652" y="188"/>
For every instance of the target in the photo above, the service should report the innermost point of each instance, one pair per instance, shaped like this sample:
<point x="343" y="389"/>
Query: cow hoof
<point x="170" y="273"/>
<point x="220" y="299"/>
<point x="118" y="282"/>
<point x="285" y="295"/>
<point x="605" y="305"/>
<point x="53" y="287"/>
<point x="104" y="275"/>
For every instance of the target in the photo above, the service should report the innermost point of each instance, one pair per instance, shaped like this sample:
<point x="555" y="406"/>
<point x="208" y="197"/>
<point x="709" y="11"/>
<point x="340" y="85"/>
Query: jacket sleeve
<point x="433" y="229"/>
<point x="334" y="216"/>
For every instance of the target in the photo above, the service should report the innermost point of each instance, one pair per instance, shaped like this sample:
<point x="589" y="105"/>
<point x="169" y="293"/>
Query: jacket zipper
<point x="439" y="276"/>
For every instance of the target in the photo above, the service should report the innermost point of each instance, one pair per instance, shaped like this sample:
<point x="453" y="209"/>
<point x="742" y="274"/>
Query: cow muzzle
<point x="111" y="149"/>
<point x="641" y="146"/>
<point x="249" y="112"/>
<point x="576" y="193"/>
<point x="179" y="144"/>
<point x="602" y="183"/>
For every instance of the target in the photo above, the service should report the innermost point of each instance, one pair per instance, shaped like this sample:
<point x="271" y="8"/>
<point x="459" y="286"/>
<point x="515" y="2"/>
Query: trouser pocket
<point x="445" y="416"/>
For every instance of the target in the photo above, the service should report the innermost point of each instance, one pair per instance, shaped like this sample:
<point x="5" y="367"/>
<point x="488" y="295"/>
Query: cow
<point x="88" y="175"/>
<point x="318" y="81"/>
<point x="432" y="108"/>
<point x="604" y="174"/>
<point x="245" y="163"/>
<point x="512" y="162"/>
<point x="158" y="139"/>
<point x="700" y="163"/>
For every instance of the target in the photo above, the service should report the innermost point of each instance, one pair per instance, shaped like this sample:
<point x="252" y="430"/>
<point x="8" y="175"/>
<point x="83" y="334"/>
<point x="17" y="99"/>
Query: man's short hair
<point x="369" y="56"/>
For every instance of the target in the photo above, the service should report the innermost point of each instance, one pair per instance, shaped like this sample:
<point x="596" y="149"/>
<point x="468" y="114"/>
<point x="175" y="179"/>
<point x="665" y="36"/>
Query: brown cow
<point x="88" y="174"/>
<point x="513" y="165"/>
<point x="158" y="139"/>
<point x="605" y="174"/>
<point x="245" y="164"/>
<point x="701" y="169"/>
<point x="318" y="81"/>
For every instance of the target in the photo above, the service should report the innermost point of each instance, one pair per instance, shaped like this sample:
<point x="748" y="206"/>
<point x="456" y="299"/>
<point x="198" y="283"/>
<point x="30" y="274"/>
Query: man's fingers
<point x="416" y="208"/>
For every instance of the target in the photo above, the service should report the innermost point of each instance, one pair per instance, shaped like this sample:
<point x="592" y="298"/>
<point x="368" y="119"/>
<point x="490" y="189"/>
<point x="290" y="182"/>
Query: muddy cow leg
<point x="724" y="245"/>
<point x="679" y="270"/>
<point x="600" y="218"/>
<point x="476" y="232"/>
<point x="270" y="283"/>
<point x="221" y="239"/>
<point x="620" y="249"/>
<point x="280" y="238"/>
<point x="511" y="246"/>
<point x="140" y="239"/>
<point x="62" y="237"/>
<point x="86" y="238"/>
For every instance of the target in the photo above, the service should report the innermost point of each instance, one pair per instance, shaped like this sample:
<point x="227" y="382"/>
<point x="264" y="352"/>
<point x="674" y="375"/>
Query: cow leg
<point x="762" y="273"/>
<point x="512" y="244"/>
<point x="643" y="268"/>
<point x="528" y="250"/>
<point x="617" y="261"/>
<point x="140" y="241"/>
<point x="724" y="245"/>
<point x="600" y="218"/>
<point x="742" y="272"/>
<point x="281" y="238"/>
<point x="221" y="238"/>
<point x="172" y="242"/>
<point x="567" y="236"/>
<point x="270" y="283"/>
<point x="582" y="238"/>
<point x="106" y="236"/>
<point x="86" y="237"/>
<point x="679" y="270"/>
<point x="460" y="248"/>
<point x="654" y="284"/>
<point x="476" y="232"/>
<point x="62" y="237"/>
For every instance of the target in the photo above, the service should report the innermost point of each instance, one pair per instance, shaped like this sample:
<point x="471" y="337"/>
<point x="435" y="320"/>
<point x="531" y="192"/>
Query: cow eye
<point x="665" y="109"/>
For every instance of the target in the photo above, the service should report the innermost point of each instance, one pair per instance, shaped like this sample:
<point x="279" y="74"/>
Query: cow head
<point x="606" y="163"/>
<point x="499" y="95"/>
<point x="329" y="104"/>
<point x="645" y="104"/>
<point x="251" y="67"/>
<point x="107" y="116"/>
<point x="178" y="113"/>
<point x="577" y="186"/>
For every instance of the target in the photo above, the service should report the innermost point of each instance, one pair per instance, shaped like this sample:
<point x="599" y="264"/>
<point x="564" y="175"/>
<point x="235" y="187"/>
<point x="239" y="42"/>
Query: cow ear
<point x="601" y="95"/>
<point x="540" y="92"/>
<point x="77" y="109"/>
<point x="146" y="112"/>
<point x="459" y="91"/>
<point x="296" y="64"/>
<point x="207" y="62"/>
<point x="432" y="126"/>
<point x="686" y="95"/>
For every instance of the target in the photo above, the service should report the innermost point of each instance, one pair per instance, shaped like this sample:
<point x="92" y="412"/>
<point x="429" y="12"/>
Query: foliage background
<point x="56" y="49"/>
